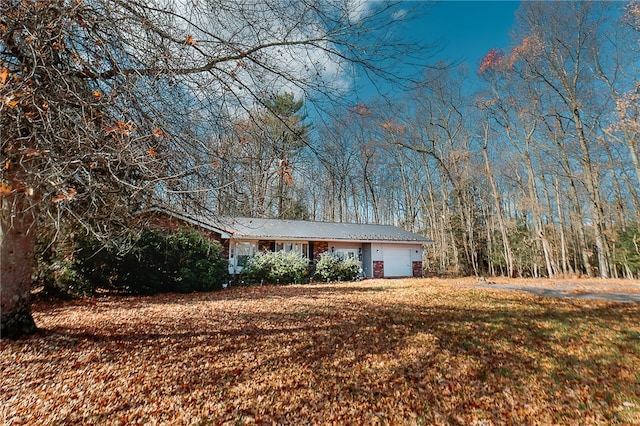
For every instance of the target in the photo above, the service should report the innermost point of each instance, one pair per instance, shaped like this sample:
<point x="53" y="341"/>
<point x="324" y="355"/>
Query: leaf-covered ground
<point x="419" y="351"/>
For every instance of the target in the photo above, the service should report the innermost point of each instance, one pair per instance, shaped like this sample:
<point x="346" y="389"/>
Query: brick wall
<point x="319" y="247"/>
<point x="417" y="268"/>
<point x="378" y="269"/>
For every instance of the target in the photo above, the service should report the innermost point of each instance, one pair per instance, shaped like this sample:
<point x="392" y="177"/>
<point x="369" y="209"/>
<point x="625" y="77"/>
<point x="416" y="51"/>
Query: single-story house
<point x="383" y="250"/>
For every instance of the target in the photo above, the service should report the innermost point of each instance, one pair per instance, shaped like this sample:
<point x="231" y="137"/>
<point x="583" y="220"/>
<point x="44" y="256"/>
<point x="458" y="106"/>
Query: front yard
<point x="415" y="351"/>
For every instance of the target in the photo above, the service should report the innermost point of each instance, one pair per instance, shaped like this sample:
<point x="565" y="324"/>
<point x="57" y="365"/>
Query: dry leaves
<point x="377" y="352"/>
<point x="4" y="73"/>
<point x="159" y="133"/>
<point x="119" y="127"/>
<point x="67" y="196"/>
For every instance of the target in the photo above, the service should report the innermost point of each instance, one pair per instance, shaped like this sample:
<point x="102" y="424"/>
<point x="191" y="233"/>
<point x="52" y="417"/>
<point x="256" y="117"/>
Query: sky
<point x="466" y="31"/>
<point x="469" y="29"/>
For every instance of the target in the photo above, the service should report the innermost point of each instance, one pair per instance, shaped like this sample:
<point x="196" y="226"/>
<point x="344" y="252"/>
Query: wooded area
<point x="533" y="171"/>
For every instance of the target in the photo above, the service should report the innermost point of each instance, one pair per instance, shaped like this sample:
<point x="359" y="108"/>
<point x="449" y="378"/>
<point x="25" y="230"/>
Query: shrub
<point x="60" y="278"/>
<point x="154" y="262"/>
<point x="276" y="267"/>
<point x="333" y="268"/>
<point x="56" y="270"/>
<point x="195" y="263"/>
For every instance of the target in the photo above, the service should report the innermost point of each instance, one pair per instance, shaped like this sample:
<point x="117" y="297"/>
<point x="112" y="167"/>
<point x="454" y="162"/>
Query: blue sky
<point x="466" y="30"/>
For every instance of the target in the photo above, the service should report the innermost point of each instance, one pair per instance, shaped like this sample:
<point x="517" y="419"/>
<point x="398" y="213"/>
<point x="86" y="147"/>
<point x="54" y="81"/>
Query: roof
<point x="300" y="230"/>
<point x="283" y="229"/>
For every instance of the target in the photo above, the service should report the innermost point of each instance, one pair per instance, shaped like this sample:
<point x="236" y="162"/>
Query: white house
<point x="383" y="250"/>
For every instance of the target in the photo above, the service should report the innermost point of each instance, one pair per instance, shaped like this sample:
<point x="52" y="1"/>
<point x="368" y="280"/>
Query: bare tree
<point x="439" y="132"/>
<point x="107" y="104"/>
<point x="552" y="53"/>
<point x="257" y="160"/>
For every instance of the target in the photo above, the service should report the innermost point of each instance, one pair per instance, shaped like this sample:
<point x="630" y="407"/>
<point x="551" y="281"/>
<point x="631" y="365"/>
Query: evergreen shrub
<point x="333" y="268"/>
<point x="154" y="262"/>
<point x="627" y="249"/>
<point x="276" y="268"/>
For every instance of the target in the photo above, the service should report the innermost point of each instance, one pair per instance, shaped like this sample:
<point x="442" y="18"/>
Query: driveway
<point x="577" y="290"/>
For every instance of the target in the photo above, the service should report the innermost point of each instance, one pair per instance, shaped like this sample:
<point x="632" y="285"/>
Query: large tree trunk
<point x="17" y="245"/>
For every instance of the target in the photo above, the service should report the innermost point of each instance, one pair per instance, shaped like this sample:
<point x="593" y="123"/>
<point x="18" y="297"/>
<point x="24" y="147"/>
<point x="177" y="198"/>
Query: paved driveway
<point x="575" y="290"/>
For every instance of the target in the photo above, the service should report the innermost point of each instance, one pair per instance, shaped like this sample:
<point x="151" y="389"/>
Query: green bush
<point x="154" y="262"/>
<point x="55" y="268"/>
<point x="333" y="268"/>
<point x="276" y="267"/>
<point x="60" y="278"/>
<point x="196" y="263"/>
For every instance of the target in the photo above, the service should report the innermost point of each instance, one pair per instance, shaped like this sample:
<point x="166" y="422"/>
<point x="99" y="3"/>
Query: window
<point x="290" y="246"/>
<point x="244" y="250"/>
<point x="343" y="253"/>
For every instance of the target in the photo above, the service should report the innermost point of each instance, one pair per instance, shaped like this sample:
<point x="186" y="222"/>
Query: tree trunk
<point x="566" y="267"/>
<point x="591" y="183"/>
<point x="508" y="253"/>
<point x="541" y="238"/>
<point x="17" y="245"/>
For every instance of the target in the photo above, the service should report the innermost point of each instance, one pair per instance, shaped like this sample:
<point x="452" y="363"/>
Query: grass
<point x="418" y="351"/>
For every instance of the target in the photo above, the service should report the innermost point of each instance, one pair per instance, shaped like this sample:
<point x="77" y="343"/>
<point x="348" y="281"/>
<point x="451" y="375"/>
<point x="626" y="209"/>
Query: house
<point x="383" y="250"/>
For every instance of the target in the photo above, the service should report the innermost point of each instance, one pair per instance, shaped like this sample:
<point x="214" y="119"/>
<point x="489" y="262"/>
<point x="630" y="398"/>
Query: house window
<point x="291" y="246"/>
<point x="348" y="253"/>
<point x="244" y="250"/>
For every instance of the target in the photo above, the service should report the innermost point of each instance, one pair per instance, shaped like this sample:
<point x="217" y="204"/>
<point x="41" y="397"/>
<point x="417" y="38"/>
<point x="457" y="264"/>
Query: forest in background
<point x="526" y="166"/>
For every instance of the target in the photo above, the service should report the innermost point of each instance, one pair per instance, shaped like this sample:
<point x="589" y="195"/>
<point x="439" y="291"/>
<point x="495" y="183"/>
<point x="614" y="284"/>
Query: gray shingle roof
<point x="282" y="229"/>
<point x="298" y="230"/>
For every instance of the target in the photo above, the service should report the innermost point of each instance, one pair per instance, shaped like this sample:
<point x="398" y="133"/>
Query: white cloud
<point x="358" y="9"/>
<point x="399" y="14"/>
<point x="220" y="29"/>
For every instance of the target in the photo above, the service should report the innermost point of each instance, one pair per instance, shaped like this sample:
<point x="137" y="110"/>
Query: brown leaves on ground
<point x="4" y="73"/>
<point x="120" y="128"/>
<point x="376" y="352"/>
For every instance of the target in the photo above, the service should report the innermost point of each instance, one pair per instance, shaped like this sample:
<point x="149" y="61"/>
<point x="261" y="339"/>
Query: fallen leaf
<point x="159" y="133"/>
<point x="31" y="152"/>
<point x="10" y="101"/>
<point x="58" y="198"/>
<point x="402" y="351"/>
<point x="71" y="192"/>
<point x="5" y="189"/>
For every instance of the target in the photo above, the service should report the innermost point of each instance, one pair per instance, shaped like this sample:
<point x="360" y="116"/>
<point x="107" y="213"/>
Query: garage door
<point x="397" y="262"/>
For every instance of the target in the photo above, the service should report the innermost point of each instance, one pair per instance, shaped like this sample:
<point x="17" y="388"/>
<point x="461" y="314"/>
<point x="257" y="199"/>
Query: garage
<point x="397" y="262"/>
